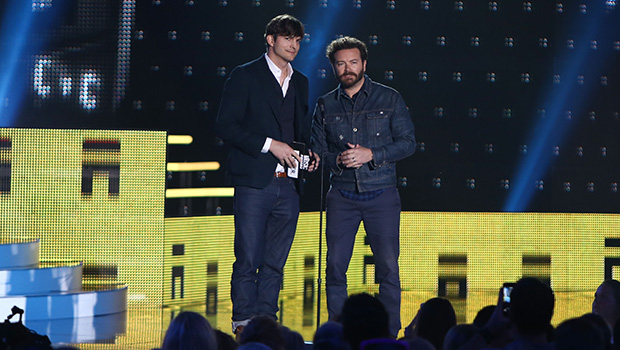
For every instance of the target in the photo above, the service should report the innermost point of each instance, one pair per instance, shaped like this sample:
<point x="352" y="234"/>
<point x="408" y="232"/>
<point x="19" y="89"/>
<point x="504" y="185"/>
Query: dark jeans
<point x="381" y="217"/>
<point x="265" y="222"/>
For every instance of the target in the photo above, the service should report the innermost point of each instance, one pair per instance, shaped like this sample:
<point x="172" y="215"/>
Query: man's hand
<point x="498" y="320"/>
<point x="355" y="156"/>
<point x="285" y="154"/>
<point x="314" y="161"/>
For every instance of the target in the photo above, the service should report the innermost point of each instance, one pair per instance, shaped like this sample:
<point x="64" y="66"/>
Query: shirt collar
<point x="276" y="71"/>
<point x="365" y="88"/>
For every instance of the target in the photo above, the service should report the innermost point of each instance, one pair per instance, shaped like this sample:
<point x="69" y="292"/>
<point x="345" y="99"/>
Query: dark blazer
<point x="249" y="113"/>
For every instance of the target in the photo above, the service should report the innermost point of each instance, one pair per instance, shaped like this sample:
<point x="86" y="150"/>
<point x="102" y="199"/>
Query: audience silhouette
<point x="433" y="321"/>
<point x="363" y="317"/>
<point x="264" y="330"/>
<point x="364" y="324"/>
<point x="189" y="331"/>
<point x="329" y="337"/>
<point x="458" y="336"/>
<point x="607" y="302"/>
<point x="579" y="334"/>
<point x="602" y="326"/>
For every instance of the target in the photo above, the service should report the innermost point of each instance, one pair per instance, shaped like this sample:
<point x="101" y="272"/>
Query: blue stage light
<point x="319" y="22"/>
<point x="565" y="99"/>
<point x="13" y="34"/>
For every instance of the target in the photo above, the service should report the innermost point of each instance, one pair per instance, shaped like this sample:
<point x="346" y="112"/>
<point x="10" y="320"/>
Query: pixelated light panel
<point x="90" y="75"/>
<point x="72" y="60"/>
<point x="95" y="196"/>
<point x="464" y="257"/>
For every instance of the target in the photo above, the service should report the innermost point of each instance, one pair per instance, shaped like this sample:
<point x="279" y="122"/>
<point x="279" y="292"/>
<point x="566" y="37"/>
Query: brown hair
<point x="345" y="43"/>
<point x="285" y="25"/>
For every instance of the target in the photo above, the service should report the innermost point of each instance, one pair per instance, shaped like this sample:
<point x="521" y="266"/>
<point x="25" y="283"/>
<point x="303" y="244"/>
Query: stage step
<point x="51" y="291"/>
<point x="99" y="329"/>
<point x="24" y="281"/>
<point x="19" y="255"/>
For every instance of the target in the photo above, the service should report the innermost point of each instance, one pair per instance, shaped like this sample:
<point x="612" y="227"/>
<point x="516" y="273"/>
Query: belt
<point x="280" y="174"/>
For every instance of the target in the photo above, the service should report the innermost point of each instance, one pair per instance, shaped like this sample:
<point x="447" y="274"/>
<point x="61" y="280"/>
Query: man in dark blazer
<point x="264" y="109"/>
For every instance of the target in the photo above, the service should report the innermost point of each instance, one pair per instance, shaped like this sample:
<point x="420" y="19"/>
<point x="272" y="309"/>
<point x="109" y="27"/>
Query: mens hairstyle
<point x="345" y="43"/>
<point x="434" y="320"/>
<point x="579" y="333"/>
<point x="363" y="317"/>
<point x="189" y="331"/>
<point x="265" y="330"/>
<point x="284" y="25"/>
<point x="532" y="306"/>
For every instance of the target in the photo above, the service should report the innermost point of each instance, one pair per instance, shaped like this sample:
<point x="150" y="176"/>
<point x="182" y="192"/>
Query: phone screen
<point x="506" y="295"/>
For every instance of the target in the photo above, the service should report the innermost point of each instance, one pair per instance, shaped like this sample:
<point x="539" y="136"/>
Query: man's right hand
<point x="285" y="154"/>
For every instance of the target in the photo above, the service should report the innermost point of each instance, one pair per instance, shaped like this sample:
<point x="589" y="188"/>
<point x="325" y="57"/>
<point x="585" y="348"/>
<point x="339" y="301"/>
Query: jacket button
<point x="340" y="137"/>
<point x="378" y="133"/>
<point x="354" y="129"/>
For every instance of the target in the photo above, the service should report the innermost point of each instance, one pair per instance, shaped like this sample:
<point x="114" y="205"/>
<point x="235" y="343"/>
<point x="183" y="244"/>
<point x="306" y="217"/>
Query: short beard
<point x="347" y="85"/>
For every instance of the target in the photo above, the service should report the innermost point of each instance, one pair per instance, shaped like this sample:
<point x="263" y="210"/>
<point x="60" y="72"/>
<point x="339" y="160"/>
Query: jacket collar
<point x="366" y="88"/>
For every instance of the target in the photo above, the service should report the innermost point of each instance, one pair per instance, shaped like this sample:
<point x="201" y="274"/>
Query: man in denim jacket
<point x="361" y="129"/>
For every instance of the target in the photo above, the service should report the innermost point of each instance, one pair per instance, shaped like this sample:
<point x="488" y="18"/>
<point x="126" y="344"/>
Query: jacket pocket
<point x="333" y="128"/>
<point x="378" y="122"/>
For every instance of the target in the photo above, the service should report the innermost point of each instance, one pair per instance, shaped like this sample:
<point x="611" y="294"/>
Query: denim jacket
<point x="378" y="119"/>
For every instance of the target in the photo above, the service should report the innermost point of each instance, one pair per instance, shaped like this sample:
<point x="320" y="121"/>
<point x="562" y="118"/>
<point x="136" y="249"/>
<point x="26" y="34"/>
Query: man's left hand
<point x="314" y="161"/>
<point x="355" y="156"/>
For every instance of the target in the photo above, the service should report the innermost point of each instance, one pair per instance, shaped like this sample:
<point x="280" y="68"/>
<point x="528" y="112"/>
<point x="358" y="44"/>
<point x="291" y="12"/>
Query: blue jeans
<point x="265" y="222"/>
<point x="381" y="217"/>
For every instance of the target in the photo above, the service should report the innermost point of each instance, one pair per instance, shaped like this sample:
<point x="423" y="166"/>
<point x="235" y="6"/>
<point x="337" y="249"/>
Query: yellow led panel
<point x="95" y="196"/>
<point x="467" y="256"/>
<point x="193" y="166"/>
<point x="200" y="192"/>
<point x="180" y="139"/>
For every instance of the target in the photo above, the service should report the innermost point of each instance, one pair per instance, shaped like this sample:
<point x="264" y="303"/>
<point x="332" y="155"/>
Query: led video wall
<point x="464" y="257"/>
<point x="94" y="196"/>
<point x="65" y="63"/>
<point x="515" y="106"/>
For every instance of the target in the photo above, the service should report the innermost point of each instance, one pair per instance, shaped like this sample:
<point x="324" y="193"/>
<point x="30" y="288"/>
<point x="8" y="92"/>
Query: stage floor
<point x="144" y="328"/>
